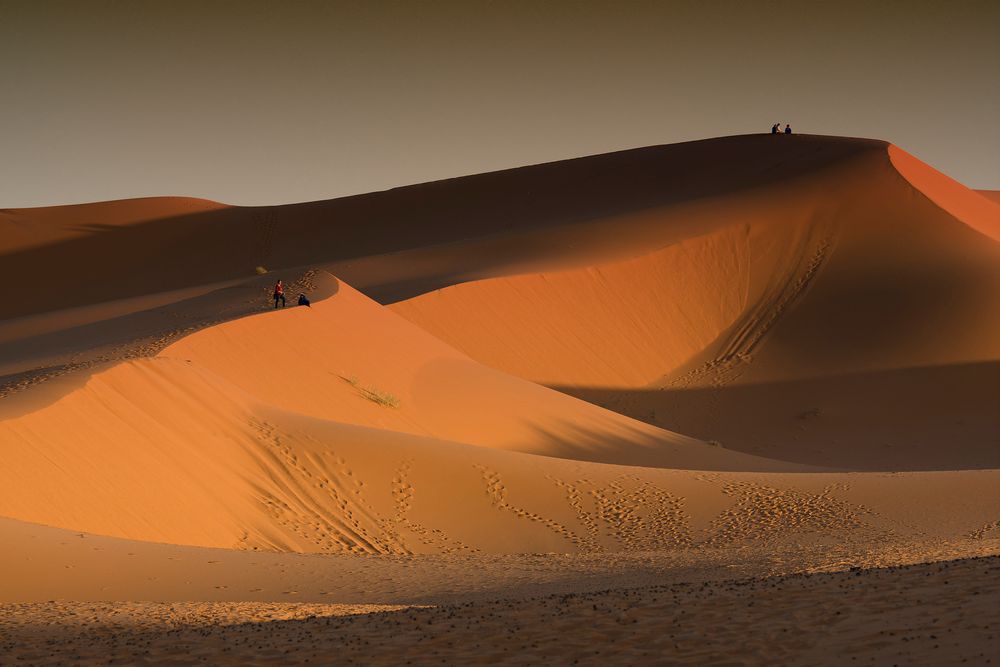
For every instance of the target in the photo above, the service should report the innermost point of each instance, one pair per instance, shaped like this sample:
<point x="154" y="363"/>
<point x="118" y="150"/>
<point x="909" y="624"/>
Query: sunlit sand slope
<point x="163" y="450"/>
<point x="237" y="437"/>
<point x="844" y="318"/>
<point x="350" y="360"/>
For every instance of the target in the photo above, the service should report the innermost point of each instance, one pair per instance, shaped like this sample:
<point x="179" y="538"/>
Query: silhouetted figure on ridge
<point x="303" y="300"/>
<point x="788" y="129"/>
<point x="774" y="128"/>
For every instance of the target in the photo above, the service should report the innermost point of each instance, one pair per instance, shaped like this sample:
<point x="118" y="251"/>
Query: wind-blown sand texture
<point x="743" y="357"/>
<point x="932" y="614"/>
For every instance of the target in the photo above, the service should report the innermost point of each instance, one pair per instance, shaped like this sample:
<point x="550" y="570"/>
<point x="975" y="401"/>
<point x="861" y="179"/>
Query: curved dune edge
<point x="164" y="451"/>
<point x="972" y="207"/>
<point x="389" y="244"/>
<point x="992" y="195"/>
<point x="169" y="450"/>
<point x="337" y="360"/>
<point x="749" y="263"/>
<point x="815" y="323"/>
<point x="627" y="323"/>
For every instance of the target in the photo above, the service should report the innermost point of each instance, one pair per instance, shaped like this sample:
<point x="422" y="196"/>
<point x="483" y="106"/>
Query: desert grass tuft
<point x="383" y="398"/>
<point x="372" y="393"/>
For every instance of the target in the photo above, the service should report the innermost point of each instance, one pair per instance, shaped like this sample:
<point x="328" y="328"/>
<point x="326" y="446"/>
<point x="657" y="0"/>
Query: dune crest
<point x="790" y="301"/>
<point x="992" y="195"/>
<point x="346" y="357"/>
<point x="393" y="244"/>
<point x="976" y="209"/>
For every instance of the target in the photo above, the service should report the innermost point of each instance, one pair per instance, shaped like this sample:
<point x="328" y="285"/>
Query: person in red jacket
<point x="279" y="293"/>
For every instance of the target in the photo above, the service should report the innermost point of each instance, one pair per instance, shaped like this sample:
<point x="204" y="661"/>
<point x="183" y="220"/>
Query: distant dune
<point x="518" y="216"/>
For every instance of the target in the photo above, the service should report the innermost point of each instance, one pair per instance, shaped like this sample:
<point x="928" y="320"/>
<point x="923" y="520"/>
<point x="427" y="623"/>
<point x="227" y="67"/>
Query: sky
<point x="275" y="102"/>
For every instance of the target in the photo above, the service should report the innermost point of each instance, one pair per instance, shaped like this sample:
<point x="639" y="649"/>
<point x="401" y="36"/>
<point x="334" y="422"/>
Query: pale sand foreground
<point x="928" y="614"/>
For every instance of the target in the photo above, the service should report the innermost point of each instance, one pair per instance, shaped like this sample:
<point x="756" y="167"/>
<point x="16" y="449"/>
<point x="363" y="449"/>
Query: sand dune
<point x="33" y="228"/>
<point x="167" y="449"/>
<point x="204" y="445"/>
<point x="167" y="244"/>
<point x="338" y="359"/>
<point x="164" y="450"/>
<point x="748" y="356"/>
<point x="964" y="204"/>
<point x="848" y="273"/>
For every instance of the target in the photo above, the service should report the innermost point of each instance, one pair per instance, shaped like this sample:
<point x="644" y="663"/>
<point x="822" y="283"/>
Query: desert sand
<point x="683" y="403"/>
<point x="872" y="615"/>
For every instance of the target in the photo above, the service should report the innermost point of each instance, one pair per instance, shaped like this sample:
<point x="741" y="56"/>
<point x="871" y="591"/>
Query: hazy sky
<point x="273" y="102"/>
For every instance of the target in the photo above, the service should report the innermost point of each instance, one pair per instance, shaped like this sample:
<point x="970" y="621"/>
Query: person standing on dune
<point x="279" y="293"/>
<point x="788" y="129"/>
<point x="774" y="128"/>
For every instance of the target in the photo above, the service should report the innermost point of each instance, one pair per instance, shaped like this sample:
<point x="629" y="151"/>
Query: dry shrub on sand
<point x="383" y="398"/>
<point x="372" y="393"/>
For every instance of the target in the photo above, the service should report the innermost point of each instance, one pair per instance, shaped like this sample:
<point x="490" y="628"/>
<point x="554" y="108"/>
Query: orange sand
<point x="827" y="314"/>
<point x="745" y="356"/>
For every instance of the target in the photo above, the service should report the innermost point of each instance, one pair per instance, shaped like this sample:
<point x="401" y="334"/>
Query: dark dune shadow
<point x="203" y="247"/>
<point x="73" y="354"/>
<point x="927" y="418"/>
<point x="641" y="448"/>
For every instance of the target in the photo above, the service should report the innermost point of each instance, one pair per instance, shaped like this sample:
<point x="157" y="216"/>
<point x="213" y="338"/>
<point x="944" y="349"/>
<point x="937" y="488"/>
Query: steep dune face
<point x="345" y="357"/>
<point x="171" y="244"/>
<point x="626" y="323"/>
<point x="975" y="209"/>
<point x="163" y="450"/>
<point x="849" y="274"/>
<point x="228" y="438"/>
<point x="150" y="450"/>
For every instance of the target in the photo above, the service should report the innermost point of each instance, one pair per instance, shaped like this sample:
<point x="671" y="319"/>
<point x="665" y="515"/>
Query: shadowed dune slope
<point x="557" y="211"/>
<point x="23" y="229"/>
<point x="848" y="272"/>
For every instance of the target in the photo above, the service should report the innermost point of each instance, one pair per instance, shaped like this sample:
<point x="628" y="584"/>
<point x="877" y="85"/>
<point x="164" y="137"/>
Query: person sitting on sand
<point x="303" y="299"/>
<point x="774" y="128"/>
<point x="279" y="293"/>
<point x="788" y="129"/>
